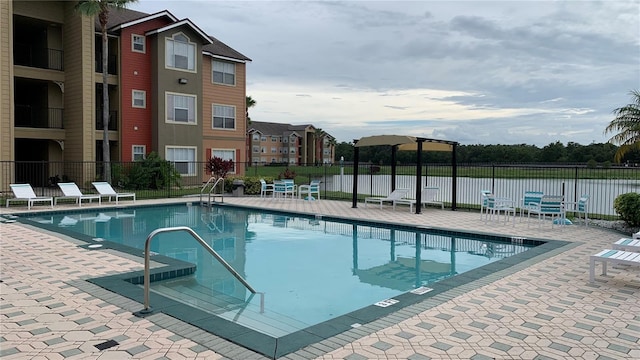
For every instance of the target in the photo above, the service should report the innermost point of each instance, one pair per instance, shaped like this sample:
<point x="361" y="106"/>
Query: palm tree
<point x="627" y="124"/>
<point x="101" y="8"/>
<point x="250" y="103"/>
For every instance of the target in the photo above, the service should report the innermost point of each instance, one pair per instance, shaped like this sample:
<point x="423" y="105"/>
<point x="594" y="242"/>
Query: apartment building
<point x="173" y="89"/>
<point x="269" y="143"/>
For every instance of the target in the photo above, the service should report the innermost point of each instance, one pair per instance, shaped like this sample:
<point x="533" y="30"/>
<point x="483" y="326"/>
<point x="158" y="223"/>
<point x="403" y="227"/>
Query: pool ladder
<point x="147" y="254"/>
<point x="210" y="192"/>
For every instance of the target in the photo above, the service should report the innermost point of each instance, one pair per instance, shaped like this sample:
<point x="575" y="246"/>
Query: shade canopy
<point x="406" y="143"/>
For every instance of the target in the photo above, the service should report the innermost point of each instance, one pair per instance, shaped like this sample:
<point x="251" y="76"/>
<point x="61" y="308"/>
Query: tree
<point x="101" y="9"/>
<point x="627" y="126"/>
<point x="250" y="103"/>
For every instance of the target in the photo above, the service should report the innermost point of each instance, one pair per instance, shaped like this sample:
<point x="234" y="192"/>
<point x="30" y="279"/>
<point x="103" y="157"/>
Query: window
<point x="256" y="137"/>
<point x="256" y="149"/>
<point x="138" y="152"/>
<point x="274" y="150"/>
<point x="224" y="73"/>
<point x="274" y="139"/>
<point x="263" y="138"/>
<point x="292" y="150"/>
<point x="181" y="108"/>
<point x="286" y="140"/>
<point x="225" y="154"/>
<point x="263" y="149"/>
<point x="138" y="99"/>
<point x="180" y="53"/>
<point x="182" y="158"/>
<point x="224" y="117"/>
<point x="137" y="43"/>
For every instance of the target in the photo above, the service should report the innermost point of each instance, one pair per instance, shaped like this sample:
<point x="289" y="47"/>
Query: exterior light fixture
<point x="182" y="81"/>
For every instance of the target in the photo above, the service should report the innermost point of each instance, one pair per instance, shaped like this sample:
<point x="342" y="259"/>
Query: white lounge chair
<point x="396" y="194"/>
<point x="24" y="192"/>
<point x="428" y="196"/>
<point x="71" y="191"/>
<point x="636" y="235"/>
<point x="627" y="244"/>
<point x="105" y="189"/>
<point x="614" y="257"/>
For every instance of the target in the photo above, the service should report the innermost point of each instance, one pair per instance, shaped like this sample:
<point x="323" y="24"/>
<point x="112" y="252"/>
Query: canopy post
<point x="356" y="159"/>
<point x="394" y="150"/>
<point x="419" y="142"/>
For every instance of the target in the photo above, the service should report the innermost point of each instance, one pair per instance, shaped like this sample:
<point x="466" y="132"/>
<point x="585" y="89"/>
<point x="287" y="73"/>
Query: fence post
<point x="493" y="178"/>
<point x="575" y="186"/>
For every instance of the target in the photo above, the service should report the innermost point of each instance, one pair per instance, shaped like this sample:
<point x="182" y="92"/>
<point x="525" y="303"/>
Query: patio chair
<point x="580" y="208"/>
<point x="428" y="196"/>
<point x="24" y="192"/>
<point x="531" y="199"/>
<point x="71" y="191"/>
<point x="105" y="189"/>
<point x="497" y="205"/>
<point x="396" y="194"/>
<point x="282" y="189"/>
<point x="636" y="235"/>
<point x="310" y="190"/>
<point x="484" y="198"/>
<point x="265" y="188"/>
<point x="614" y="257"/>
<point x="551" y="205"/>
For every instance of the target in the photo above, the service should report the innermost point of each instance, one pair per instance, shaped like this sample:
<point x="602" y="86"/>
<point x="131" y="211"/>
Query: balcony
<point x="113" y="120"/>
<point x="42" y="58"/>
<point x="28" y="116"/>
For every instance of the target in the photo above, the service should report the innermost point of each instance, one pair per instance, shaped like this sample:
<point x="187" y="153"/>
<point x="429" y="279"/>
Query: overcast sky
<point x="476" y="72"/>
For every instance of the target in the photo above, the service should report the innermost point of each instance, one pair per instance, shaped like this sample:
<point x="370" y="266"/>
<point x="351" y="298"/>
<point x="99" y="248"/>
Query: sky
<point x="475" y="72"/>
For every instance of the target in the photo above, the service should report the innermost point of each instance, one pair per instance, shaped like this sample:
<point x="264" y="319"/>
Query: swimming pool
<point x="319" y="276"/>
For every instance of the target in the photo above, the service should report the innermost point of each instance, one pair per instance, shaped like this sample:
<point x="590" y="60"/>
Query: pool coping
<point x="331" y="334"/>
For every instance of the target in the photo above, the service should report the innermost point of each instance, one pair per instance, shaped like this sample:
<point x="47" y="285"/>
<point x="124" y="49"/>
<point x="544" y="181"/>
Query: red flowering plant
<point x="218" y="167"/>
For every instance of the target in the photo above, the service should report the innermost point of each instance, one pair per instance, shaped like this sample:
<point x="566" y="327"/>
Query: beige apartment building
<point x="270" y="143"/>
<point x="173" y="89"/>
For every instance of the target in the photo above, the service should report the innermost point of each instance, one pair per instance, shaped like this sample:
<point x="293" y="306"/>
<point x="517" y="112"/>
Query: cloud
<point x="487" y="72"/>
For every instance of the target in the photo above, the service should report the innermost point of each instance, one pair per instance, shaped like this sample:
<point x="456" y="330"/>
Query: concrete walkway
<point x="545" y="309"/>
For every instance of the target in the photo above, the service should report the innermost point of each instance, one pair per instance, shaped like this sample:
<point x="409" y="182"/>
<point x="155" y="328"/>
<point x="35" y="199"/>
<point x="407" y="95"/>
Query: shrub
<point x="218" y="167"/>
<point x="628" y="207"/>
<point x="151" y="173"/>
<point x="287" y="174"/>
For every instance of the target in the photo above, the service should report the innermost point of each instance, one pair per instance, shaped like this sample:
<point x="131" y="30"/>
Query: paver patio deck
<point x="542" y="309"/>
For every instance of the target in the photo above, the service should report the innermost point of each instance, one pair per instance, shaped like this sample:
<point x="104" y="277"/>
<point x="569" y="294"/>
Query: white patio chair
<point x="396" y="194"/>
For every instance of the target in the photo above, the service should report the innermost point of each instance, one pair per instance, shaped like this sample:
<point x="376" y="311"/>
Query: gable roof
<point x="122" y="18"/>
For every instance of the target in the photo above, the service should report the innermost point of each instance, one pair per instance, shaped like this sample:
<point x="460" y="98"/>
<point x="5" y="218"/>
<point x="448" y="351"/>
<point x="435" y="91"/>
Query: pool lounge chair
<point x="105" y="189"/>
<point x="428" y="195"/>
<point x="24" y="192"/>
<point x="396" y="194"/>
<point x="71" y="191"/>
<point x="627" y="244"/>
<point x="614" y="257"/>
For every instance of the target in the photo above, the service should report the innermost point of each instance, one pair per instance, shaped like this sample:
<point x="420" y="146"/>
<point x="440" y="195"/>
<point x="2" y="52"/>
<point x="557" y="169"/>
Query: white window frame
<point x="188" y="46"/>
<point x="256" y="149"/>
<point x="141" y="153"/>
<point x="225" y="69"/>
<point x="139" y="95"/>
<point x="135" y="37"/>
<point x="191" y="163"/>
<point x="274" y="139"/>
<point x="221" y="112"/>
<point x="286" y="140"/>
<point x="232" y="157"/>
<point x="263" y="138"/>
<point x="192" y="119"/>
<point x="274" y="150"/>
<point x="256" y="137"/>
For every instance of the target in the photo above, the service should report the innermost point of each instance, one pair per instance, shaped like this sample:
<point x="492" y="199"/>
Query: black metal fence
<point x="602" y="184"/>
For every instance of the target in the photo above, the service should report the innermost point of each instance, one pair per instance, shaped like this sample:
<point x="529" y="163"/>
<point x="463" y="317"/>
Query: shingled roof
<point x="121" y="16"/>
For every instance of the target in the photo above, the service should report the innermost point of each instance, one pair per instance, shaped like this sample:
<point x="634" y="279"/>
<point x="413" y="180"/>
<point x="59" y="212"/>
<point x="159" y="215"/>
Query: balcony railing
<point x="38" y="117"/>
<point x="43" y="58"/>
<point x="113" y="120"/>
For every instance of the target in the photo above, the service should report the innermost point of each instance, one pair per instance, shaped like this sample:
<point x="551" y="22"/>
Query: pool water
<point x="307" y="270"/>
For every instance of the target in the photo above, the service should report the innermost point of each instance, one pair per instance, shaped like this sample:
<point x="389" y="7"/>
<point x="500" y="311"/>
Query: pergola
<point x="408" y="143"/>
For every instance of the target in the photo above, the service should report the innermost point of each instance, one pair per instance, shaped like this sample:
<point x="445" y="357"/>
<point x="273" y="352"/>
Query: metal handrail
<point x="147" y="255"/>
<point x="218" y="180"/>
